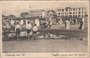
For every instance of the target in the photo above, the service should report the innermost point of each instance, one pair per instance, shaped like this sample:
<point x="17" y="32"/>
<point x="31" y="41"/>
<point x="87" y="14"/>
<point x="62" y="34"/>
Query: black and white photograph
<point x="45" y="27"/>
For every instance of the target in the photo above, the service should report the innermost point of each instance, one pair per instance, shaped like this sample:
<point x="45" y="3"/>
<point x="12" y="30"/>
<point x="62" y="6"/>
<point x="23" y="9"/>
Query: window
<point x="85" y="12"/>
<point x="62" y="9"/>
<point x="73" y="12"/>
<point x="82" y="12"/>
<point x="79" y="12"/>
<point x="82" y="9"/>
<point x="76" y="9"/>
<point x="66" y="9"/>
<point x="70" y="12"/>
<point x="79" y="9"/>
<point x="78" y="15"/>
<point x="76" y="12"/>
<point x="73" y="9"/>
<point x="82" y="15"/>
<point x="58" y="13"/>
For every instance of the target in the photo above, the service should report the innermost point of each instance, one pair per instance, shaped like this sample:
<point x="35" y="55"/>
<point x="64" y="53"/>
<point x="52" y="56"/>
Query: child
<point x="35" y="29"/>
<point x="28" y="27"/>
<point x="50" y="24"/>
<point x="17" y="30"/>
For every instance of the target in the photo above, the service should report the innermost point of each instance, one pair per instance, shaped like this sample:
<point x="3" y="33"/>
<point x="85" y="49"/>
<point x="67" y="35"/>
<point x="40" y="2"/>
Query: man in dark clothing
<point x="81" y="25"/>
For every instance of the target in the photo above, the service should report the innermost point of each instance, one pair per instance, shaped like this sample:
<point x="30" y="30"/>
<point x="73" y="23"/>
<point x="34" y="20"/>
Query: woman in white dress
<point x="67" y="24"/>
<point x="37" y="22"/>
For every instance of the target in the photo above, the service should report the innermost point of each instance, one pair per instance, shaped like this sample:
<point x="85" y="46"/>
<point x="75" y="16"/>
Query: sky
<point x="17" y="7"/>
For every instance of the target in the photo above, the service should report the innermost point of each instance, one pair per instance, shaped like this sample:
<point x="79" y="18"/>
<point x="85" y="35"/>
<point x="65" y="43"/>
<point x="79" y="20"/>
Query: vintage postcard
<point x="44" y="29"/>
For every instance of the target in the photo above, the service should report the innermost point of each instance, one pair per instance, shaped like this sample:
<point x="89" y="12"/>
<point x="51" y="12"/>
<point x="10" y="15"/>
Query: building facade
<point x="72" y="12"/>
<point x="76" y="14"/>
<point x="37" y="13"/>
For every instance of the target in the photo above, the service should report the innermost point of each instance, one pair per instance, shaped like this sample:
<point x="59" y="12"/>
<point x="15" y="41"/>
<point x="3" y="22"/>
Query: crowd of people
<point x="47" y="23"/>
<point x="68" y="23"/>
<point x="19" y="28"/>
<point x="32" y="29"/>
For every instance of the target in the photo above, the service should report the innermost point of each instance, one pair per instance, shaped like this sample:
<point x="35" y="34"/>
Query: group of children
<point x="29" y="28"/>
